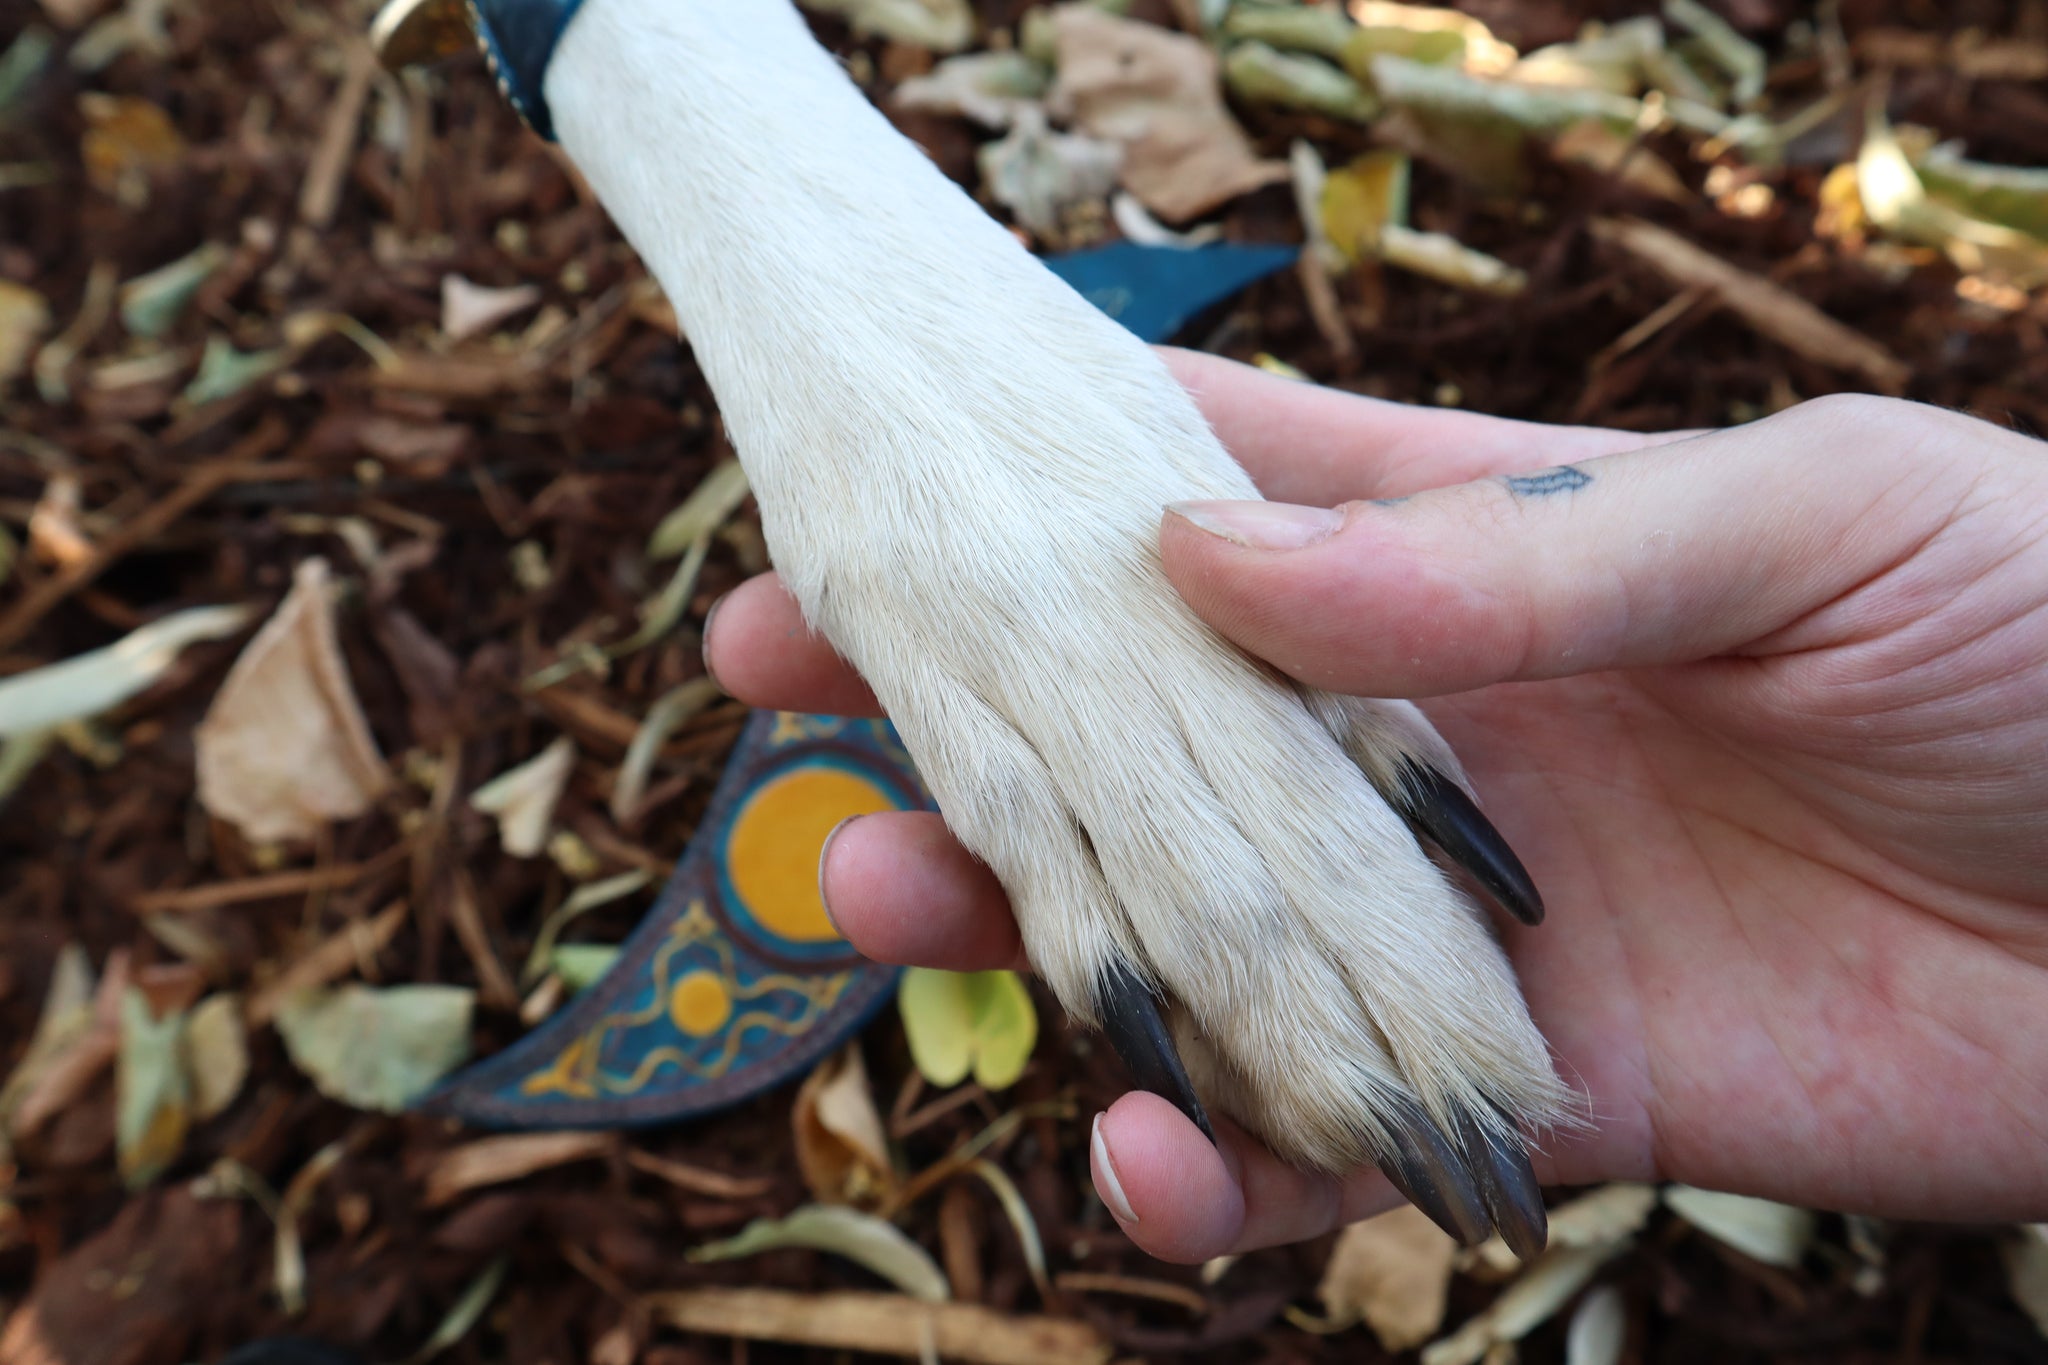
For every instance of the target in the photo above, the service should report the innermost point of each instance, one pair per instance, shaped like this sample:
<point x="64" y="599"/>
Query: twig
<point x="299" y="881"/>
<point x="1770" y="308"/>
<point x="240" y="464"/>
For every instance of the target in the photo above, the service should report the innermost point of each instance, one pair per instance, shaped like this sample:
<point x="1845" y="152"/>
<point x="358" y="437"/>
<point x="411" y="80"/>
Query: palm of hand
<point x="1777" y="958"/>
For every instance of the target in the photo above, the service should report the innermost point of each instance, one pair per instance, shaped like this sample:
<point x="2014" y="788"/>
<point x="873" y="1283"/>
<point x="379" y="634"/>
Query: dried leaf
<point x="285" y="748"/>
<point x="1598" y="146"/>
<point x="93" y="683"/>
<point x="1259" y="74"/>
<point x="377" y="1049"/>
<point x="1743" y="61"/>
<point x="1604" y="57"/>
<point x="469" y="310"/>
<point x="579" y="902"/>
<point x="1448" y="92"/>
<point x="1443" y="257"/>
<point x="1157" y="95"/>
<point x="126" y="138"/>
<point x="138" y="26"/>
<point x="1896" y="200"/>
<point x="153" y="1096"/>
<point x="464" y="1313"/>
<point x="1393" y="1273"/>
<point x="513" y="1156"/>
<point x="941" y="25"/>
<point x="1041" y="175"/>
<point x="988" y="87"/>
<point x="151" y="304"/>
<point x="23" y="64"/>
<point x="957" y="1022"/>
<point x="840" y="1147"/>
<point x="2014" y="196"/>
<point x="24" y="317"/>
<point x="1776" y="1234"/>
<point x="1525" y="1305"/>
<point x="54" y="534"/>
<point x="674" y="707"/>
<point x="710" y="505"/>
<point x="216" y="1054"/>
<point x="2026" y="1272"/>
<point x="523" y="798"/>
<point x="859" y="1237"/>
<point x="66" y="1016"/>
<point x="1142" y="228"/>
<point x="1610" y="1214"/>
<point x="1321" y="29"/>
<point x="1598" y="1329"/>
<point x="1029" y="1242"/>
<point x="1481" y="52"/>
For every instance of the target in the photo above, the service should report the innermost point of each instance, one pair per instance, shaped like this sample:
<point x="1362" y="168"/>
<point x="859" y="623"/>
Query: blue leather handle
<point x="518" y="38"/>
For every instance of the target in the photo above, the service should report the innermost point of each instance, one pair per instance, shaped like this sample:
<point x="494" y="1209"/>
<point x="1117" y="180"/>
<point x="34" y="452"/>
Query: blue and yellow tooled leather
<point x="736" y="980"/>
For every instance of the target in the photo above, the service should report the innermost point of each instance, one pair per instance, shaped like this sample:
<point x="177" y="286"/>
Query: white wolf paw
<point x="1228" y="874"/>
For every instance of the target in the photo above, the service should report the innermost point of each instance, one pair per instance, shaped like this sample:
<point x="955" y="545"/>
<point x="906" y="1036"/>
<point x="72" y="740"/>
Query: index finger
<point x="1303" y="443"/>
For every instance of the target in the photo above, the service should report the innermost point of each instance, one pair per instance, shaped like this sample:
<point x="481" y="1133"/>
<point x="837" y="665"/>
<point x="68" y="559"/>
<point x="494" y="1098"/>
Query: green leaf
<point x="859" y="1237"/>
<point x="961" y="1022"/>
<point x="377" y="1049"/>
<point x="581" y="965"/>
<point x="152" y="303"/>
<point x="1266" y="75"/>
<point x="225" y="371"/>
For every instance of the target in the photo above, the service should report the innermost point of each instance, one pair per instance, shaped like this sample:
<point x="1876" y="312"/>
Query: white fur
<point x="961" y="468"/>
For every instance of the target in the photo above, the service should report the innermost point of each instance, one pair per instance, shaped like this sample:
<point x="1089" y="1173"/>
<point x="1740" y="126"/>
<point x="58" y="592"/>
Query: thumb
<point x="1664" y="555"/>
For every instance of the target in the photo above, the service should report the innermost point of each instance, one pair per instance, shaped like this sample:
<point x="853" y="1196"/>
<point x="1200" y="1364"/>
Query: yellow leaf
<point x="125" y="137"/>
<point x="24" y="317"/>
<point x="216" y="1054"/>
<point x="1363" y="199"/>
<point x="961" y="1022"/>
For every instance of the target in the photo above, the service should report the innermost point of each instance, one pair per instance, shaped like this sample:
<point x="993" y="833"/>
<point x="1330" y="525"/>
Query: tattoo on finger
<point x="1563" y="479"/>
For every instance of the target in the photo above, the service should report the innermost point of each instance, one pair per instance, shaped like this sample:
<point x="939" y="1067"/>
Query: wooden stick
<point x="886" y="1324"/>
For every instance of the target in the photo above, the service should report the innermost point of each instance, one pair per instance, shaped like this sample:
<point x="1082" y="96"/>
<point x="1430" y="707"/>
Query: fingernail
<point x="1106" y="1184"/>
<point x="704" y="648"/>
<point x="1261" y="525"/>
<point x="824" y="852"/>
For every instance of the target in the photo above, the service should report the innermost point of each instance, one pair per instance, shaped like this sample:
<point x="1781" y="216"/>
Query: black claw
<point x="1132" y="1023"/>
<point x="1507" y="1184"/>
<point x="1434" y="1177"/>
<point x="1439" y="810"/>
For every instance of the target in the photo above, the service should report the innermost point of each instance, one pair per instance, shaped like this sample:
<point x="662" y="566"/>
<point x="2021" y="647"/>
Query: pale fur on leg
<point x="961" y="467"/>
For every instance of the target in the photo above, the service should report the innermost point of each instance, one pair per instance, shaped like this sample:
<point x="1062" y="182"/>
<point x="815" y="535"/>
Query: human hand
<point x="1765" y="711"/>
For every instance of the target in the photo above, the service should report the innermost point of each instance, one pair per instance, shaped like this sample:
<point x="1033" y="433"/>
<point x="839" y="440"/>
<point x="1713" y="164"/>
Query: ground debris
<point x="437" y="369"/>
